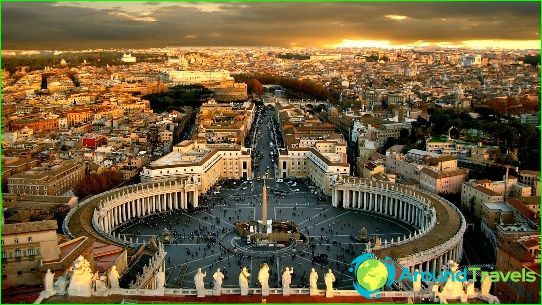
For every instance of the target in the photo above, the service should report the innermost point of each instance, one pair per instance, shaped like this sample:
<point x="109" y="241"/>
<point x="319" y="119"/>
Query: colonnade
<point x="414" y="207"/>
<point x="143" y="200"/>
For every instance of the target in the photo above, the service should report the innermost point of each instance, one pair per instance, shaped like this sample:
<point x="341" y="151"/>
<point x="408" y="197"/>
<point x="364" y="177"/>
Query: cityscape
<point x="270" y="152"/>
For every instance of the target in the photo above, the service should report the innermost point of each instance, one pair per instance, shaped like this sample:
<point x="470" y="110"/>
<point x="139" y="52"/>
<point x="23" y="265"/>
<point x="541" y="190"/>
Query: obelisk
<point x="264" y="204"/>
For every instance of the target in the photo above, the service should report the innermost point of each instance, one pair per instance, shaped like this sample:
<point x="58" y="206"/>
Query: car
<point x="280" y="180"/>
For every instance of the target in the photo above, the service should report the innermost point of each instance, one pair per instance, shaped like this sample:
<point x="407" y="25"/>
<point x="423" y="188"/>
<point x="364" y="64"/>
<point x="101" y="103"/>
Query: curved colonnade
<point x="114" y="208"/>
<point x="439" y="224"/>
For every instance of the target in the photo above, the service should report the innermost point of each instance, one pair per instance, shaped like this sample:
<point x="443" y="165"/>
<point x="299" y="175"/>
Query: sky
<point x="84" y="25"/>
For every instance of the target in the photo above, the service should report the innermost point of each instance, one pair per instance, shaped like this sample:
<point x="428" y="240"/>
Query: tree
<point x="255" y="86"/>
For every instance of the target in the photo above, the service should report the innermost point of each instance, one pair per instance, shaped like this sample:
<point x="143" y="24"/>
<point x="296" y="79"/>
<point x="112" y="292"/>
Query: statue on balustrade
<point x="329" y="279"/>
<point x="113" y="278"/>
<point x="313" y="282"/>
<point x="453" y="288"/>
<point x="287" y="280"/>
<point x="48" y="281"/>
<point x="81" y="278"/>
<point x="219" y="278"/>
<point x="200" y="284"/>
<point x="243" y="280"/>
<point x="263" y="278"/>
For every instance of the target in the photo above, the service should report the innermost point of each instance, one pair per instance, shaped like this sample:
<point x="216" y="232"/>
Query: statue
<point x="287" y="280"/>
<point x="200" y="285"/>
<point x="243" y="281"/>
<point x="313" y="282"/>
<point x="434" y="290"/>
<point x="81" y="278"/>
<point x="263" y="278"/>
<point x="329" y="278"/>
<point x="453" y="289"/>
<point x="486" y="285"/>
<point x="417" y="283"/>
<point x="113" y="278"/>
<point x="101" y="285"/>
<point x="469" y="288"/>
<point x="48" y="281"/>
<point x="160" y="280"/>
<point x="219" y="278"/>
<point x="363" y="235"/>
<point x="61" y="284"/>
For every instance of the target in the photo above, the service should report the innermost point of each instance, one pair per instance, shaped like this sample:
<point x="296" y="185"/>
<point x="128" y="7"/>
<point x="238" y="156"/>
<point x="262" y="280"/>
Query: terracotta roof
<point x="26" y="227"/>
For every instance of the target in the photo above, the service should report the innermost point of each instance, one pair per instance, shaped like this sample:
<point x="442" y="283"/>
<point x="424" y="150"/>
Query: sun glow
<point x="472" y="44"/>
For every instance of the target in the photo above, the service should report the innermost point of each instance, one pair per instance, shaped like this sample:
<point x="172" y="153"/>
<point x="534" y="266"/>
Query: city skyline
<point x="83" y="25"/>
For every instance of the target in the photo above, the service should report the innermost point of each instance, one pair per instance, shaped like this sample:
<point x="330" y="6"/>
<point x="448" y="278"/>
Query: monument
<point x="81" y="278"/>
<point x="200" y="284"/>
<point x="265" y="232"/>
<point x="329" y="278"/>
<point x="287" y="280"/>
<point x="48" y="281"/>
<point x="263" y="278"/>
<point x="243" y="281"/>
<point x="218" y="277"/>
<point x="453" y="288"/>
<point x="313" y="282"/>
<point x="113" y="278"/>
<point x="363" y="236"/>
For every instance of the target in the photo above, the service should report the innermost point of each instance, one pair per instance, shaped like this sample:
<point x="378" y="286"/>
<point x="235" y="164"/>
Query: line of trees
<point x="98" y="183"/>
<point x="177" y="97"/>
<point x="306" y="87"/>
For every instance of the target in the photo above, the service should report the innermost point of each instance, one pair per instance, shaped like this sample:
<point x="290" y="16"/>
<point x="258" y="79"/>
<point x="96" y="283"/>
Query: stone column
<point x="196" y="198"/>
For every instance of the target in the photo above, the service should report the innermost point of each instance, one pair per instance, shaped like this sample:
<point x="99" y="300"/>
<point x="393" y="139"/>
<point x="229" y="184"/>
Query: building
<point x="532" y="179"/>
<point x="24" y="247"/>
<point x="128" y="58"/>
<point x="205" y="163"/>
<point x="475" y="193"/>
<point x="517" y="255"/>
<point x="37" y="124"/>
<point x="175" y="77"/>
<point x="50" y="179"/>
<point x="443" y="182"/>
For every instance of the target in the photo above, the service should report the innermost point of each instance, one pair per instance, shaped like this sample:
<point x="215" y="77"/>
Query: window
<point x="16" y="240"/>
<point x="31" y="252"/>
<point x="19" y="273"/>
<point x="17" y="253"/>
<point x="4" y="255"/>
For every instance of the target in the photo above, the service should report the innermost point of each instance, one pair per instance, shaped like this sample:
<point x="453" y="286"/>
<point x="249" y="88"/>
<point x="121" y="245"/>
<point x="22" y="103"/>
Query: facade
<point x="24" y="247"/>
<point x="53" y="180"/>
<point x="193" y="77"/>
<point x="443" y="182"/>
<point x="523" y="253"/>
<point x="477" y="192"/>
<point x="532" y="179"/>
<point x="206" y="164"/>
<point x="37" y="124"/>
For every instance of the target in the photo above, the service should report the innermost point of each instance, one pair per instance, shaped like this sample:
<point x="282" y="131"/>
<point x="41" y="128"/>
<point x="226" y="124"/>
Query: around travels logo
<point x="372" y="274"/>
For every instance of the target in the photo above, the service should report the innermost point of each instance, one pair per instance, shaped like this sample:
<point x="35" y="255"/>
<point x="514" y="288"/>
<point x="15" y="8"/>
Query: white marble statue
<point x="453" y="289"/>
<point x="417" y="284"/>
<point x="313" y="282"/>
<point x="329" y="278"/>
<point x="263" y="278"/>
<point x="101" y="285"/>
<point x="200" y="284"/>
<point x="113" y="278"/>
<point x="287" y="280"/>
<point x="160" y="280"/>
<point x="218" y="276"/>
<point x="486" y="285"/>
<point x="48" y="281"/>
<point x="81" y="278"/>
<point x="243" y="281"/>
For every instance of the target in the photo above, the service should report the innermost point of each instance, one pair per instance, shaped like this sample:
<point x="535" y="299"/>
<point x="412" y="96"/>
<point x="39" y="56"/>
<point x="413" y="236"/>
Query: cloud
<point x="142" y="17"/>
<point x="396" y="17"/>
<point x="33" y="25"/>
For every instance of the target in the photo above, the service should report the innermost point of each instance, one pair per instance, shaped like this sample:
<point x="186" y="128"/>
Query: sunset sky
<point x="81" y="25"/>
